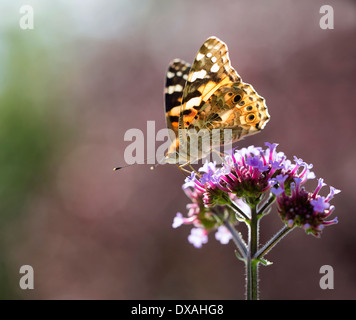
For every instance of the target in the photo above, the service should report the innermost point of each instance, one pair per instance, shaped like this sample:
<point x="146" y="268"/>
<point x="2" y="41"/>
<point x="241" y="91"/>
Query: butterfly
<point x="206" y="96"/>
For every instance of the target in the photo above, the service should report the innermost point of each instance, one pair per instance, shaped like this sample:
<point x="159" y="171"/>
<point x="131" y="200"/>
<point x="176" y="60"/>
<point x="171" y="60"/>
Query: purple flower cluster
<point x="297" y="207"/>
<point x="245" y="177"/>
<point x="201" y="217"/>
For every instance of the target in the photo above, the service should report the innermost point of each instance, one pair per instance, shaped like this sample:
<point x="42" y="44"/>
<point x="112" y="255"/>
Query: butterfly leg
<point x="196" y="172"/>
<point x="183" y="170"/>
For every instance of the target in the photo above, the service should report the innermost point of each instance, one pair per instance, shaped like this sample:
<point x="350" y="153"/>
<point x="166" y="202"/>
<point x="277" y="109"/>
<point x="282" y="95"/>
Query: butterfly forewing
<point x="211" y="69"/>
<point x="176" y="79"/>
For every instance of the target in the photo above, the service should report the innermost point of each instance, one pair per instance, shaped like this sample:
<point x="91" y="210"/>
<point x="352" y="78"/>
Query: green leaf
<point x="265" y="262"/>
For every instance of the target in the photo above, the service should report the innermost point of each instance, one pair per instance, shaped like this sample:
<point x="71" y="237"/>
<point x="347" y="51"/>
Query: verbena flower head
<point x="246" y="173"/>
<point x="201" y="215"/>
<point x="249" y="174"/>
<point x="297" y="207"/>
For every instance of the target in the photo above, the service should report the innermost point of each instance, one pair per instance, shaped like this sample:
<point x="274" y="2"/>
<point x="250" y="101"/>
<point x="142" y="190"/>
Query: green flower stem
<point x="252" y="279"/>
<point x="236" y="237"/>
<point x="251" y="254"/>
<point x="272" y="242"/>
<point x="252" y="263"/>
<point x="237" y="210"/>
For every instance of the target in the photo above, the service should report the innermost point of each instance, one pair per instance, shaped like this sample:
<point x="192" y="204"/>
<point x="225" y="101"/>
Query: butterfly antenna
<point x="118" y="168"/>
<point x="158" y="163"/>
<point x="152" y="167"/>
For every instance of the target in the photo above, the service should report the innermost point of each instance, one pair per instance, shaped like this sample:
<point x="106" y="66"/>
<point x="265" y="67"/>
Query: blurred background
<point x="89" y="71"/>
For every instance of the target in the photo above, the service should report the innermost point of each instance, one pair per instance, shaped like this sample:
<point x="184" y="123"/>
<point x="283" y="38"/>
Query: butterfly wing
<point x="211" y="69"/>
<point x="213" y="96"/>
<point x="176" y="78"/>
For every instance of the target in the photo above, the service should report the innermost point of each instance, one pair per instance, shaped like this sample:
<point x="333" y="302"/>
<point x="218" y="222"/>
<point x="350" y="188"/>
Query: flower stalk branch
<point x="266" y="206"/>
<point x="239" y="213"/>
<point x="272" y="242"/>
<point x="239" y="242"/>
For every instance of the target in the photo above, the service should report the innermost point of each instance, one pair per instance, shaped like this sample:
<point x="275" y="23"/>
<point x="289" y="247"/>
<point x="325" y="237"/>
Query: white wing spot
<point x="170" y="74"/>
<point x="185" y="76"/>
<point x="213" y="59"/>
<point x="199" y="56"/>
<point x="193" y="102"/>
<point x="214" y="68"/>
<point x="209" y="54"/>
<point x="176" y="88"/>
<point x="198" y="75"/>
<point x="179" y="73"/>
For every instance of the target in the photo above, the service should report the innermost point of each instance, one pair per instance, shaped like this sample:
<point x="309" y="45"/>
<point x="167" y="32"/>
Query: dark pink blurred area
<point x="91" y="233"/>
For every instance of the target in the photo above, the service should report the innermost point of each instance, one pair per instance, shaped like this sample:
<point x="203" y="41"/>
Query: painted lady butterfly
<point x="209" y="95"/>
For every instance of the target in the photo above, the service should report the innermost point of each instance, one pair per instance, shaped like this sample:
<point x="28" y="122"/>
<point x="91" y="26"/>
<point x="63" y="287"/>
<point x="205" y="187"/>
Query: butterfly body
<point x="205" y="97"/>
